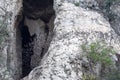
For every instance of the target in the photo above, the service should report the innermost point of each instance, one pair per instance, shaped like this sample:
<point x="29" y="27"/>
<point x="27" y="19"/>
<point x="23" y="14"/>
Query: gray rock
<point x="73" y="27"/>
<point x="10" y="68"/>
<point x="115" y="17"/>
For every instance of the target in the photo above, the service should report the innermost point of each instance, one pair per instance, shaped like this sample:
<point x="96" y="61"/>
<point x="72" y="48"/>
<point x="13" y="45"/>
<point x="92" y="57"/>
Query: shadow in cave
<point x="27" y="48"/>
<point x="38" y="9"/>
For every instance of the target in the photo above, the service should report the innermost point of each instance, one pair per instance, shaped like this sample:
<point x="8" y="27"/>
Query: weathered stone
<point x="115" y="17"/>
<point x="60" y="43"/>
<point x="11" y="67"/>
<point x="73" y="27"/>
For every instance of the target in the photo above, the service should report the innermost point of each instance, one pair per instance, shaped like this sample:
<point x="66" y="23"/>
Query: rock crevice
<point x="35" y="32"/>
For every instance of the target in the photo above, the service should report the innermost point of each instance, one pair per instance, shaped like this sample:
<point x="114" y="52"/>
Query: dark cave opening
<point x="33" y="10"/>
<point x="27" y="51"/>
<point x="38" y="9"/>
<point x="27" y="44"/>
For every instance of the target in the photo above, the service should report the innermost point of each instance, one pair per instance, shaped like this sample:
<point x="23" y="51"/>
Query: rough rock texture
<point x="10" y="68"/>
<point x="42" y="38"/>
<point x="89" y="4"/>
<point x="116" y="9"/>
<point x="36" y="27"/>
<point x="73" y="27"/>
<point x="115" y="22"/>
<point x="39" y="18"/>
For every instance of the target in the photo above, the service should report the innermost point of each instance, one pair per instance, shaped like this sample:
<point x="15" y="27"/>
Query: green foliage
<point x="106" y="8"/>
<point x="98" y="53"/>
<point x="76" y="4"/>
<point x="113" y="75"/>
<point x="88" y="77"/>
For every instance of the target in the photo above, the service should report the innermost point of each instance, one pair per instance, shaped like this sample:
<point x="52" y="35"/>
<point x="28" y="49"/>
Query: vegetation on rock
<point x="97" y="53"/>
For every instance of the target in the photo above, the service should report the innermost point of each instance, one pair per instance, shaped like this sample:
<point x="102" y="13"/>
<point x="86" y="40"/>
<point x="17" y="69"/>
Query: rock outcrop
<point x="59" y="28"/>
<point x="10" y="68"/>
<point x="73" y="27"/>
<point x="115" y="11"/>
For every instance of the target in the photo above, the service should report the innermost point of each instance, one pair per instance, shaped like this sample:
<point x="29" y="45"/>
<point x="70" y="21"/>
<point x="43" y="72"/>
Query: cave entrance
<point x="27" y="49"/>
<point x="25" y="45"/>
<point x="32" y="10"/>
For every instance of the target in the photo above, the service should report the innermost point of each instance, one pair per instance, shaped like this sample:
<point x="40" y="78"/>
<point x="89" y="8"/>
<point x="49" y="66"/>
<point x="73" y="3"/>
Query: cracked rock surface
<point x="73" y="25"/>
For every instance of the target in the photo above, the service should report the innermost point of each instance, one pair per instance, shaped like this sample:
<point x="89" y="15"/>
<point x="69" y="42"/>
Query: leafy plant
<point x="88" y="77"/>
<point x="97" y="53"/>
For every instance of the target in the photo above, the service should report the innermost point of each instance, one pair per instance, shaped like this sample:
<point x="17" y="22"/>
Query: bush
<point x="88" y="77"/>
<point x="97" y="53"/>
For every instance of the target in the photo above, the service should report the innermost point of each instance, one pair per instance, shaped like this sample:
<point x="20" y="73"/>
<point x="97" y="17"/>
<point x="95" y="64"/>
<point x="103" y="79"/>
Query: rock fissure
<point x="27" y="50"/>
<point x="34" y="33"/>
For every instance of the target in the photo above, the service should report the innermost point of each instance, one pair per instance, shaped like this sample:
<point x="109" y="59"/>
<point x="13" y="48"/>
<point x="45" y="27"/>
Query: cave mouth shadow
<point x="27" y="49"/>
<point x="27" y="45"/>
<point x="39" y="9"/>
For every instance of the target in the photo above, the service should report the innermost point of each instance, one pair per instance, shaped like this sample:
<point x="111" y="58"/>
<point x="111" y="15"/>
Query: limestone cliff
<point x="44" y="37"/>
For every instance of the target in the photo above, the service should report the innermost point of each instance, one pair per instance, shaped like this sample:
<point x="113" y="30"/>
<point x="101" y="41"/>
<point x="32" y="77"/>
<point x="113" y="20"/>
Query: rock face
<point x="59" y="33"/>
<point x="73" y="27"/>
<point x="115" y="10"/>
<point x="42" y="38"/>
<point x="10" y="68"/>
<point x="39" y="18"/>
